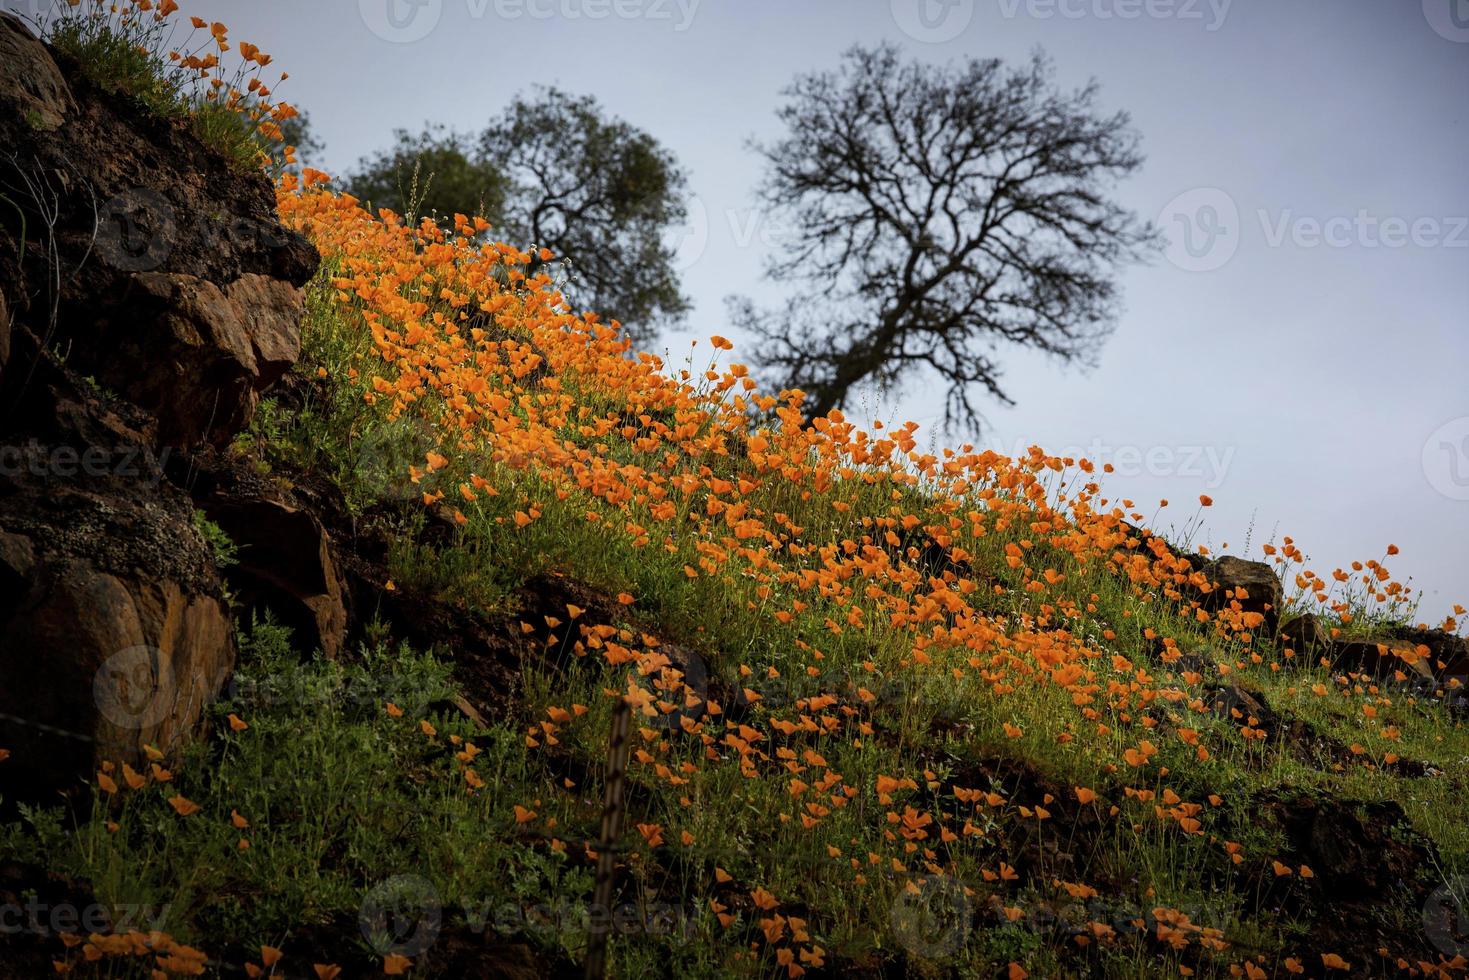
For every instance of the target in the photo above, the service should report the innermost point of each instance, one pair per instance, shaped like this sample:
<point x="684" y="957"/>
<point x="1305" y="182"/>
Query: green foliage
<point x="598" y="192"/>
<point x="553" y="171"/>
<point x="226" y="552"/>
<point x="435" y="173"/>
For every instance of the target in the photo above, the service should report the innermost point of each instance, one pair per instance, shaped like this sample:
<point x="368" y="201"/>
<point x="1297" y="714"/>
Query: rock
<point x="1384" y="658"/>
<point x="1448" y="654"/>
<point x="179" y="286"/>
<point x="1305" y="635"/>
<point x="198" y="356"/>
<point x="1235" y="704"/>
<point x="30" y="82"/>
<point x="284" y="565"/>
<point x="1251" y="584"/>
<point x="114" y="630"/>
<point x="4" y="333"/>
<point x="115" y="635"/>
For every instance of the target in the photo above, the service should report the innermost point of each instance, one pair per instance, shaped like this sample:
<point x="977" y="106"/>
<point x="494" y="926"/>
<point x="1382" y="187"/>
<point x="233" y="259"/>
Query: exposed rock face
<point x="1251" y="584"/>
<point x="114" y="633"/>
<point x="210" y="349"/>
<point x="29" y="80"/>
<point x="98" y="663"/>
<point x="285" y="566"/>
<point x="1447" y="654"/>
<point x="172" y="293"/>
<point x="178" y="288"/>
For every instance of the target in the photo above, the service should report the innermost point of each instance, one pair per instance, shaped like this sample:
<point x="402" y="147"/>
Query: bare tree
<point x="940" y="213"/>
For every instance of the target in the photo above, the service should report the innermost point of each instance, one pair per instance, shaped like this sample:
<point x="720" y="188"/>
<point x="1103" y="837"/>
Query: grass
<point x="938" y="714"/>
<point x="132" y="50"/>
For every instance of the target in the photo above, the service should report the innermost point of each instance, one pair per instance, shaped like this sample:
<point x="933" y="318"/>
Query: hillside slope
<point x="402" y="532"/>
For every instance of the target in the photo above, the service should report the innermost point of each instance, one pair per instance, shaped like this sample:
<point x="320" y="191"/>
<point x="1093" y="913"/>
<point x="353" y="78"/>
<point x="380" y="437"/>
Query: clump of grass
<point x="133" y="49"/>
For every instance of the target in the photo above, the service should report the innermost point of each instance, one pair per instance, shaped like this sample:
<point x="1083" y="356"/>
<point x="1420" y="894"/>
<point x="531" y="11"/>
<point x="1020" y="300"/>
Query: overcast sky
<point x="1299" y="353"/>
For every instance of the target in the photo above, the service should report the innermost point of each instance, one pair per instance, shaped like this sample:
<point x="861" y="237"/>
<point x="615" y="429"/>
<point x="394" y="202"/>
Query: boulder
<point x="116" y="634"/>
<point x="1252" y="585"/>
<point x="1448" y="654"/>
<point x="1305" y="635"/>
<point x="1383" y="658"/>
<point x="30" y="82"/>
<point x="98" y="665"/>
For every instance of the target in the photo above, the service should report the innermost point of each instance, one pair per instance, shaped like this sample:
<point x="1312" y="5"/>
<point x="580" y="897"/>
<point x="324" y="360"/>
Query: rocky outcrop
<point x="1248" y="586"/>
<point x="30" y="82"/>
<point x="285" y="566"/>
<point x="211" y="349"/>
<point x="1446" y="653"/>
<point x="1420" y="655"/>
<point x="159" y="268"/>
<point x="116" y="633"/>
<point x="148" y="296"/>
<point x="1305" y="636"/>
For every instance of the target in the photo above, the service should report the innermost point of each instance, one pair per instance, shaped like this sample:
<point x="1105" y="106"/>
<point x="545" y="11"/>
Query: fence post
<point x="607" y="843"/>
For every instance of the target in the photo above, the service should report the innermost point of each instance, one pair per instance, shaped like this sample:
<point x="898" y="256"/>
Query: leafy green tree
<point x="598" y="192"/>
<point x="435" y="173"/>
<point x="554" y="171"/>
